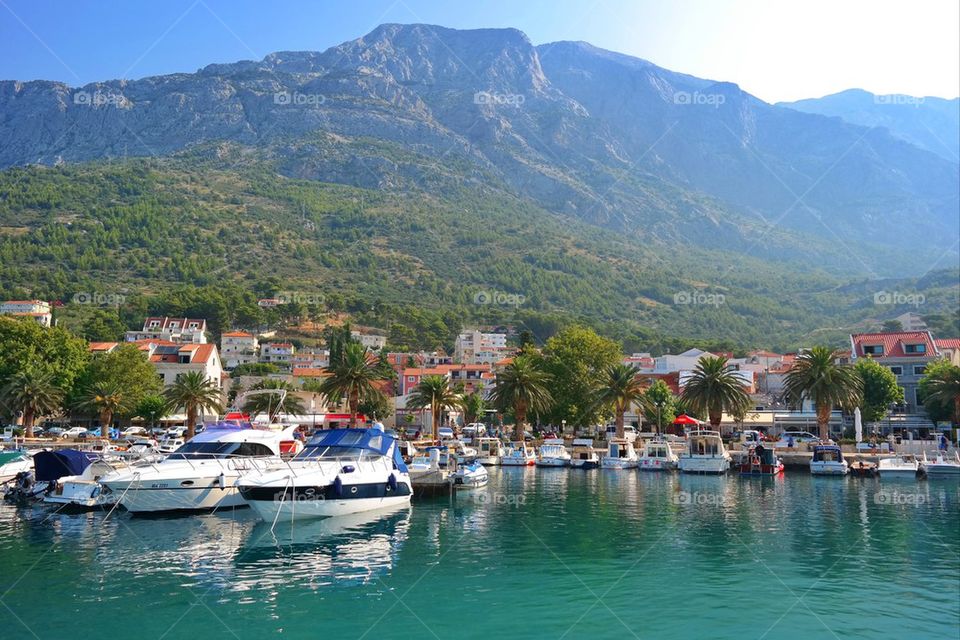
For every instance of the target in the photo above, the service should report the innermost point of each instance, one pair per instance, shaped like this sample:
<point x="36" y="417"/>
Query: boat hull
<point x="898" y="474"/>
<point x="517" y="462"/>
<point x="657" y="464"/>
<point x="553" y="462"/>
<point x="704" y="466"/>
<point x="828" y="469"/>
<point x="942" y="471"/>
<point x="488" y="461"/>
<point x="205" y="495"/>
<point x="618" y="463"/>
<point x="586" y="465"/>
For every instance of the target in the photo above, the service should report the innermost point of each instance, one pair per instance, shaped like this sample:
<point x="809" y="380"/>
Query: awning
<point x="685" y="419"/>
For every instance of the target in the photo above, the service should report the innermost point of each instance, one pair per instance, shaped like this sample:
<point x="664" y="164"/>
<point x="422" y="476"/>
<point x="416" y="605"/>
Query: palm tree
<point x="34" y="394"/>
<point x="943" y="388"/>
<point x="266" y="402"/>
<point x="620" y="387"/>
<point x="816" y="375"/>
<point x="713" y="389"/>
<point x="354" y="377"/>
<point x="436" y="393"/>
<point x="106" y="399"/>
<point x="194" y="392"/>
<point x="522" y="386"/>
<point x="473" y="405"/>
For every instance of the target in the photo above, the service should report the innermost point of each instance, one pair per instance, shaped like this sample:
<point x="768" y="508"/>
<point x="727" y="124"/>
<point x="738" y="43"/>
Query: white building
<point x="238" y="347"/>
<point x="369" y="340"/>
<point x="911" y="321"/>
<point x="179" y="330"/>
<point x="686" y="361"/>
<point x="278" y="353"/>
<point x="476" y="347"/>
<point x="36" y="309"/>
<point x="171" y="360"/>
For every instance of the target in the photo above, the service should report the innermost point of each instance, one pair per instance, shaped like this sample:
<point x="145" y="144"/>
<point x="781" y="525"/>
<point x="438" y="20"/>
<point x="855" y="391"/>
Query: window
<point x="919" y="369"/>
<point x="915" y="348"/>
<point x="897" y="371"/>
<point x="873" y="349"/>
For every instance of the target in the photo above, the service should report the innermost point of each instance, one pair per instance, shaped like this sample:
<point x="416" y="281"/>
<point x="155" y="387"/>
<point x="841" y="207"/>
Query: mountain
<point x="928" y="122"/>
<point x="419" y="167"/>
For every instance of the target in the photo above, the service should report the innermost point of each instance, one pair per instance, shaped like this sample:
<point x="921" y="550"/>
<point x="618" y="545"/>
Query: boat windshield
<point x="206" y="450"/>
<point x="353" y="453"/>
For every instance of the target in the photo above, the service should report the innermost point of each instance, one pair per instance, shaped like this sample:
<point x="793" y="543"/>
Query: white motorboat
<point x="169" y="445"/>
<point x="203" y="473"/>
<point x="620" y="455"/>
<point x="658" y="456"/>
<point x="461" y="451"/>
<point x="828" y="461"/>
<point x="339" y="472"/>
<point x="553" y="454"/>
<point x="941" y="466"/>
<point x="470" y="476"/>
<point x="519" y="454"/>
<point x="48" y="467"/>
<point x="83" y="491"/>
<point x="12" y="463"/>
<point x="584" y="456"/>
<point x="900" y="466"/>
<point x="489" y="451"/>
<point x="705" y="454"/>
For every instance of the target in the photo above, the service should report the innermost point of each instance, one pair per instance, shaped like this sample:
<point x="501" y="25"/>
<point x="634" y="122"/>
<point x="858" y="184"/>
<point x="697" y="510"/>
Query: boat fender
<point x="338" y="486"/>
<point x="392" y="482"/>
<point x="96" y="492"/>
<point x="222" y="481"/>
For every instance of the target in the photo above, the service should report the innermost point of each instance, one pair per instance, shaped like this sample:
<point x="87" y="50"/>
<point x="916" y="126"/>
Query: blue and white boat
<point x="470" y="476"/>
<point x="339" y="472"/>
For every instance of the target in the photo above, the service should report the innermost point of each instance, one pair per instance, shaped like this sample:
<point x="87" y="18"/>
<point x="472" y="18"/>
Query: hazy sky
<point x="774" y="49"/>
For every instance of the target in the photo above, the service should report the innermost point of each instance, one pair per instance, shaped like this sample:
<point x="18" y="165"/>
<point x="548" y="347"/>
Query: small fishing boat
<point x="470" y="476"/>
<point x="658" y="456"/>
<point x="83" y="491"/>
<point x="900" y="466"/>
<point x="620" y="455"/>
<point x="941" y="466"/>
<point x="828" y="461"/>
<point x="705" y="454"/>
<point x="339" y="472"/>
<point x="489" y="451"/>
<point x="553" y="454"/>
<point x="584" y="456"/>
<point x="519" y="454"/>
<point x="761" y="461"/>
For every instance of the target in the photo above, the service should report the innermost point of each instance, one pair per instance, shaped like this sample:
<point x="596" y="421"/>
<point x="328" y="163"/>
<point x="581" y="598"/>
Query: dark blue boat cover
<point x="52" y="465"/>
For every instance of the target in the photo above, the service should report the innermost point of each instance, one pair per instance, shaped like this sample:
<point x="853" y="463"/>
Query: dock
<point x="435" y="483"/>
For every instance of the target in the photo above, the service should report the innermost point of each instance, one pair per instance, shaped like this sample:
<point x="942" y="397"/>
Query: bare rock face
<point x="613" y="139"/>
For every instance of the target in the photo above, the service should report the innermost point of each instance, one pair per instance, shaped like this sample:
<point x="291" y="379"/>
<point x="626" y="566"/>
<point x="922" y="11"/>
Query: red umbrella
<point x="685" y="419"/>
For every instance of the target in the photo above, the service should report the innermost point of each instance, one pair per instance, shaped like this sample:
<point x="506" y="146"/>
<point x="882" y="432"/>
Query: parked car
<point x="134" y="431"/>
<point x="73" y="432"/>
<point x="629" y="432"/>
<point x="446" y="433"/>
<point x="54" y="432"/>
<point x="792" y="438"/>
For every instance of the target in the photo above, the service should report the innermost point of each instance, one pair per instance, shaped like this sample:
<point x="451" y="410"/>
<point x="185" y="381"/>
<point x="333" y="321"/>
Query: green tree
<point x="473" y="406"/>
<point x="891" y="325"/>
<point x="254" y="369"/>
<point x="522" y="386"/>
<point x="33" y="393"/>
<point x="659" y="405"/>
<point x="152" y="408"/>
<point x="127" y="368"/>
<point x="375" y="407"/>
<point x="816" y="375"/>
<point x="269" y="403"/>
<point x="620" y="388"/>
<point x="25" y="344"/>
<point x="940" y="390"/>
<point x="436" y="394"/>
<point x="880" y="389"/>
<point x="714" y="388"/>
<point x="577" y="360"/>
<point x="106" y="399"/>
<point x="194" y="392"/>
<point x="354" y="377"/>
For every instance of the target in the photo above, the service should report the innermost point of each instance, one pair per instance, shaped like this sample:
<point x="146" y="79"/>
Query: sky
<point x="774" y="49"/>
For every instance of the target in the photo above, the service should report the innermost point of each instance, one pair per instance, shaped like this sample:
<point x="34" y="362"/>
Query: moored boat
<point x="553" y="454"/>
<point x="519" y="454"/>
<point x="489" y="451"/>
<point x="761" y="461"/>
<point x="83" y="491"/>
<point x="339" y="472"/>
<point x="705" y="454"/>
<point x="12" y="463"/>
<point x="470" y="476"/>
<point x="900" y="466"/>
<point x="620" y="455"/>
<point x="203" y="473"/>
<point x="658" y="456"/>
<point x="941" y="466"/>
<point x="584" y="456"/>
<point x="828" y="460"/>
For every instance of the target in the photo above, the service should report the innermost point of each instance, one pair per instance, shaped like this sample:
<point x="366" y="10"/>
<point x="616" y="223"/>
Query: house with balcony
<point x="371" y="341"/>
<point x="38" y="310"/>
<point x="905" y="353"/>
<point x="476" y="347"/>
<point x="950" y="349"/>
<point x="178" y="330"/>
<point x="278" y="353"/>
<point x="237" y="348"/>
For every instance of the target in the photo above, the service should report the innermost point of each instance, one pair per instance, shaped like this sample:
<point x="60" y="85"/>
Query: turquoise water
<point x="546" y="553"/>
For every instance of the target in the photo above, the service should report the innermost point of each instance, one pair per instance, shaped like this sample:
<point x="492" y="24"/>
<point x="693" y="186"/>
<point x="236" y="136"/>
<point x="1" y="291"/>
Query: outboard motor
<point x="22" y="489"/>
